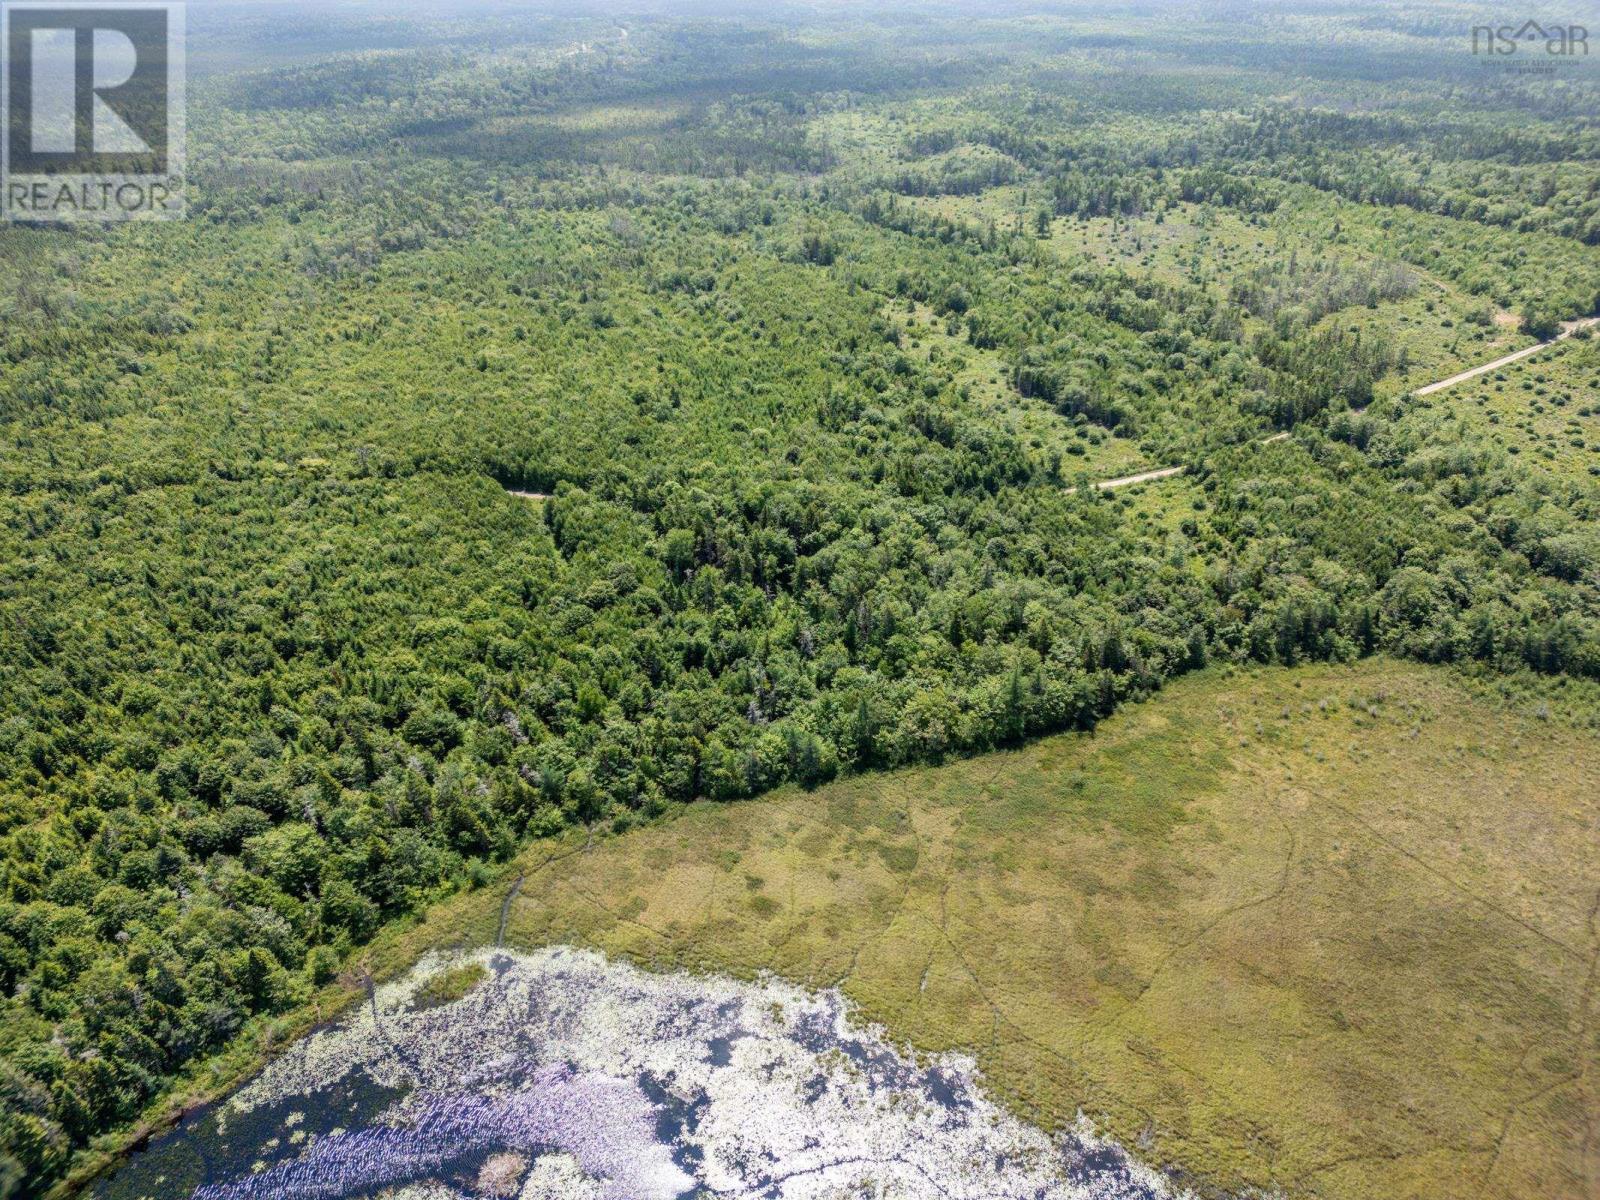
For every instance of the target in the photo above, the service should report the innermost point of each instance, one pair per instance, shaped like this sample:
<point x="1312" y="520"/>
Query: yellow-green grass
<point x="1545" y="409"/>
<point x="1331" y="930"/>
<point x="1189" y="244"/>
<point x="1161" y="506"/>
<point x="449" y="985"/>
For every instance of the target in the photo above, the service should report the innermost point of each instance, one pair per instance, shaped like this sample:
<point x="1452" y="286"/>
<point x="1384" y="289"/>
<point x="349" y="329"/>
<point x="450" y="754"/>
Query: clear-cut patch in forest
<point x="565" y="1074"/>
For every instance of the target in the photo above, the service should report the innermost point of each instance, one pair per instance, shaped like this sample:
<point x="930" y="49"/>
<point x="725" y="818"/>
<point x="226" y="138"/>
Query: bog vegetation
<point x="1208" y="925"/>
<point x="811" y="331"/>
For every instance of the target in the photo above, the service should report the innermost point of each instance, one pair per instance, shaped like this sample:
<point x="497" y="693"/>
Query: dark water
<point x="212" y="1144"/>
<point x="677" y="1120"/>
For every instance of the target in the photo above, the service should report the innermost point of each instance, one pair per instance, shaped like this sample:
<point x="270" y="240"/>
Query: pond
<point x="563" y="1074"/>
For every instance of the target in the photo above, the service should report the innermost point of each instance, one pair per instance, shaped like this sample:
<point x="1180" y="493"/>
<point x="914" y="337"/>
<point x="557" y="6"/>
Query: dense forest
<point x="752" y="306"/>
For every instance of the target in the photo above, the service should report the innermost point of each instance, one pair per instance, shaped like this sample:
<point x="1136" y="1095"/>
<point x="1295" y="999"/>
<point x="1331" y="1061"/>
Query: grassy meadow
<point x="1328" y="929"/>
<point x="1544" y="409"/>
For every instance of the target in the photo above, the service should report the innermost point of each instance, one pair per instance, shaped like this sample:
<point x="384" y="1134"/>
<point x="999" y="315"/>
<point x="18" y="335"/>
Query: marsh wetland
<point x="1243" y="930"/>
